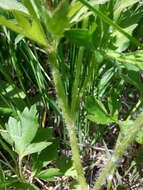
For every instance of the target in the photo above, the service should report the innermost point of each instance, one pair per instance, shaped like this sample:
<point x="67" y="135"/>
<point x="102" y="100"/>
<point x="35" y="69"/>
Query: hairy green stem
<point x="20" y="170"/>
<point x="119" y="151"/>
<point x="68" y="118"/>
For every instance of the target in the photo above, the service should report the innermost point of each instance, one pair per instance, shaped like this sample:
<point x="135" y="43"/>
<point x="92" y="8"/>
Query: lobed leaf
<point x="23" y="131"/>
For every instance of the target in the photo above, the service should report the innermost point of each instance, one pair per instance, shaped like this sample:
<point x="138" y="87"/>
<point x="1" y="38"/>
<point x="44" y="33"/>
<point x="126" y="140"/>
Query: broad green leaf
<point x="35" y="147"/>
<point x="43" y="134"/>
<point x="14" y="129"/>
<point x="46" y="156"/>
<point x="23" y="131"/>
<point x="49" y="174"/>
<point x="97" y="112"/>
<point x="29" y="26"/>
<point x="29" y="124"/>
<point x="23" y="20"/>
<point x="6" y="136"/>
<point x="10" y="25"/>
<point x="13" y="5"/>
<point x="37" y="36"/>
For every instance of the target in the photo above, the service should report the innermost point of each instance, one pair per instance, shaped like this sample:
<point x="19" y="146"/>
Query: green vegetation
<point x="71" y="94"/>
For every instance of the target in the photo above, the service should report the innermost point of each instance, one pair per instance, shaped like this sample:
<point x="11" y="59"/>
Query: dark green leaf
<point x="46" y="156"/>
<point x="43" y="134"/>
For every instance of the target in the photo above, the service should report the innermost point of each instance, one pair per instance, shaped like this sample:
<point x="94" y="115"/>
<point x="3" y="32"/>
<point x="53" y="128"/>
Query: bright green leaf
<point x="35" y="147"/>
<point x="49" y="174"/>
<point x="29" y="124"/>
<point x="10" y="25"/>
<point x="6" y="136"/>
<point x="24" y="130"/>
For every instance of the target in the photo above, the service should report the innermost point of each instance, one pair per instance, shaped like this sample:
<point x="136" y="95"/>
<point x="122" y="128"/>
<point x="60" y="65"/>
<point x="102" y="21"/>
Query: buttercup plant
<point x="48" y="27"/>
